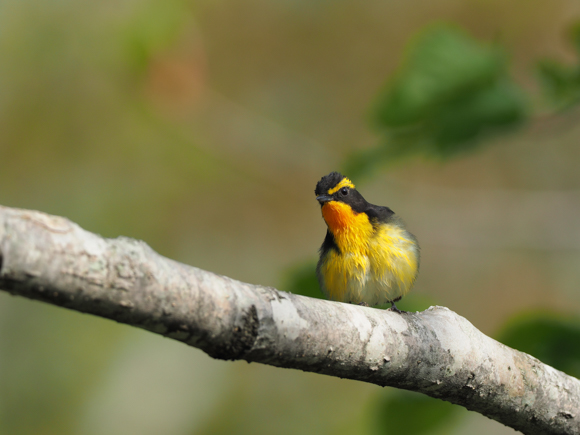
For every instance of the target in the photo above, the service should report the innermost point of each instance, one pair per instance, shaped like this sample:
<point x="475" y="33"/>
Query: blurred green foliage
<point x="562" y="82"/>
<point x="552" y="337"/>
<point x="76" y="140"/>
<point x="397" y="411"/>
<point x="449" y="92"/>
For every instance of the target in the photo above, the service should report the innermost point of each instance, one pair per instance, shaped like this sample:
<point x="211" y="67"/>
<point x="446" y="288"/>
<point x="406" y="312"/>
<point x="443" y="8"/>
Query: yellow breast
<point x="351" y="230"/>
<point x="373" y="266"/>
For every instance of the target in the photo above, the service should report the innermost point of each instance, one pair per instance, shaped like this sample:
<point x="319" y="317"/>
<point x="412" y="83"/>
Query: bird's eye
<point x="344" y="191"/>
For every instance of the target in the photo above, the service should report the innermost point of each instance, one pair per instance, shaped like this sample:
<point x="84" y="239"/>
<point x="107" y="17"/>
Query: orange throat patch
<point x="351" y="230"/>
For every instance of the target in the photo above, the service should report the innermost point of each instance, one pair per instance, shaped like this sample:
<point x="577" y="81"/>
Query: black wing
<point x="379" y="214"/>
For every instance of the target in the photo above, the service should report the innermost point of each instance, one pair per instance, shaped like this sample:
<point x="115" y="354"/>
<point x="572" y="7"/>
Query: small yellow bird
<point x="367" y="257"/>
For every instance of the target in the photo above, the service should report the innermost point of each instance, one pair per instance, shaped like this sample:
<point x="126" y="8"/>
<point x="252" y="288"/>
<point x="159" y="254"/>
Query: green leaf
<point x="442" y="65"/>
<point x="449" y="93"/>
<point x="561" y="82"/>
<point x="405" y="412"/>
<point x="553" y="338"/>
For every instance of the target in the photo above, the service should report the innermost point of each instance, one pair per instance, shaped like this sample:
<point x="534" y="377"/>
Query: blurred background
<point x="202" y="128"/>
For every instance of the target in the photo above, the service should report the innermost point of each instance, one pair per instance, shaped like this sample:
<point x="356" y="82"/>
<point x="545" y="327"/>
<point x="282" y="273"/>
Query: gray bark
<point x="435" y="352"/>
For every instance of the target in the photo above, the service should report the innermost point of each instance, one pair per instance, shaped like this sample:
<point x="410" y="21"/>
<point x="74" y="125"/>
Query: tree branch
<point x="436" y="352"/>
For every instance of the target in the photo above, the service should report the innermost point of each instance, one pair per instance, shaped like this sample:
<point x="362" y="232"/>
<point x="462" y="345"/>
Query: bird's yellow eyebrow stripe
<point x="345" y="182"/>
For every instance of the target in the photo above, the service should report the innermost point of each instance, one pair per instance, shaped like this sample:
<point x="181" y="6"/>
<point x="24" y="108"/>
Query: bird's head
<point x="340" y="201"/>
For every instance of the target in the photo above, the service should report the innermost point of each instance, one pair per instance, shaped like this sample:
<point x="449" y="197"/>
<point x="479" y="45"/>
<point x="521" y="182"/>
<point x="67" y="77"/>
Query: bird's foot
<point x="395" y="309"/>
<point x="363" y="304"/>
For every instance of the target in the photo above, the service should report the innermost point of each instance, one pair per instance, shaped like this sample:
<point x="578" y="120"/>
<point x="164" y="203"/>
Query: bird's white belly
<point x="339" y="283"/>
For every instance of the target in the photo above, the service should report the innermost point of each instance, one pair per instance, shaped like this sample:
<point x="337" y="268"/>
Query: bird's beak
<point x="324" y="198"/>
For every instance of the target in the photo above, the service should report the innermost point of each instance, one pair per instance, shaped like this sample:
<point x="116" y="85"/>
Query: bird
<point x="368" y="257"/>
